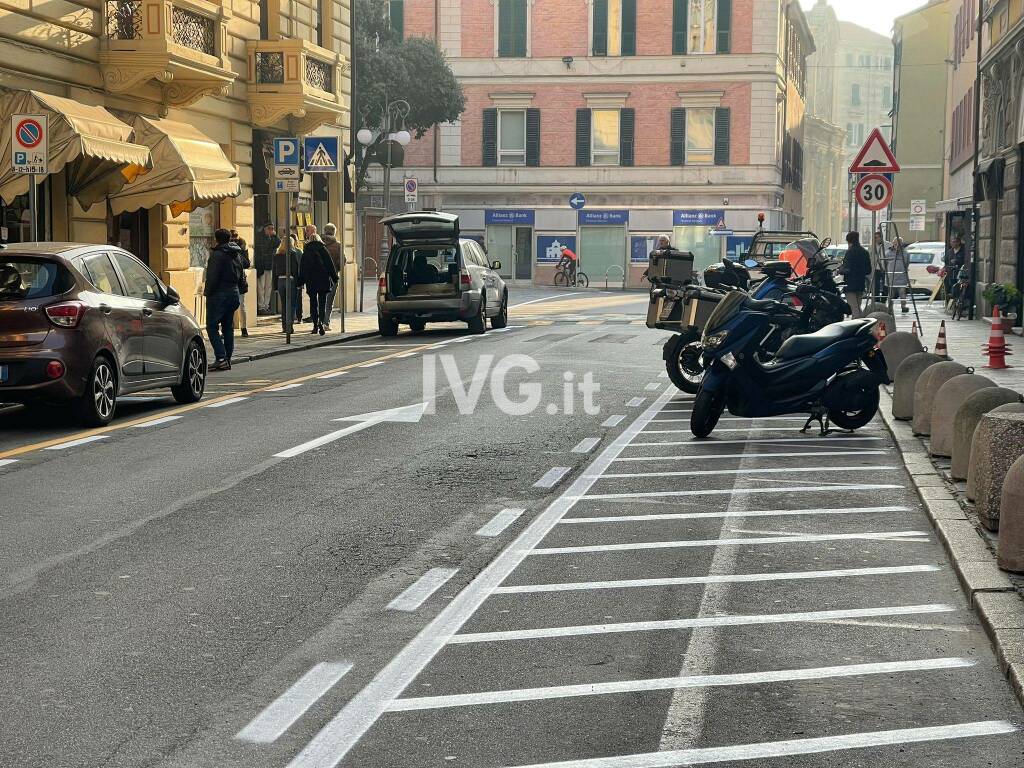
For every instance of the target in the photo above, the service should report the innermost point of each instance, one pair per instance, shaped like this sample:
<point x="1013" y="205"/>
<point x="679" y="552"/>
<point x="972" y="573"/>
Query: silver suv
<point x="433" y="275"/>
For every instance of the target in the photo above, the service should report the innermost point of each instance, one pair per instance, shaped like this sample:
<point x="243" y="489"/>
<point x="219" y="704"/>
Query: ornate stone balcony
<point x="297" y="80"/>
<point x="181" y="44"/>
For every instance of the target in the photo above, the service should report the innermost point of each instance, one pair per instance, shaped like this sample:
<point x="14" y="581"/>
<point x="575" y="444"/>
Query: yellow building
<point x="161" y="118"/>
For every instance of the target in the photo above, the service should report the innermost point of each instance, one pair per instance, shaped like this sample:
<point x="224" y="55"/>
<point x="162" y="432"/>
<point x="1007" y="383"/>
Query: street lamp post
<point x="392" y="115"/>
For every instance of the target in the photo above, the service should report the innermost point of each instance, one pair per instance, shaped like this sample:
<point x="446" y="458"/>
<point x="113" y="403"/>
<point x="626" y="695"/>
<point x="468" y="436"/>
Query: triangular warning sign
<point x="320" y="158"/>
<point x="875" y="156"/>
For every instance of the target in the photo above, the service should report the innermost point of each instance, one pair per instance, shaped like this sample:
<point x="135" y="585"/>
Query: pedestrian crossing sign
<point x="321" y="154"/>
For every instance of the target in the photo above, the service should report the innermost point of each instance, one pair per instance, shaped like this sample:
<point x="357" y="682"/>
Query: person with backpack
<point x="223" y="288"/>
<point x="318" y="275"/>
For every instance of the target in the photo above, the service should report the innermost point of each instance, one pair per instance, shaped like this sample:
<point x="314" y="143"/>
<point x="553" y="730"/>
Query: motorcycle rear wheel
<point x="707" y="409"/>
<point x="859" y="418"/>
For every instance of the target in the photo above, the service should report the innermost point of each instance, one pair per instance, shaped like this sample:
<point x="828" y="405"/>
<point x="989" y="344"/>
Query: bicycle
<point x="563" y="280"/>
<point x="961" y="299"/>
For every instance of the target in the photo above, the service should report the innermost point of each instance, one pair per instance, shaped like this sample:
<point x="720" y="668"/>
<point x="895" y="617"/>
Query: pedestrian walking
<point x="266" y="245"/>
<point x="856" y="267"/>
<point x="224" y="285"/>
<point x="318" y="275"/>
<point x="334" y="248"/>
<point x="896" y="272"/>
<point x="288" y="252"/>
<point x="246" y="265"/>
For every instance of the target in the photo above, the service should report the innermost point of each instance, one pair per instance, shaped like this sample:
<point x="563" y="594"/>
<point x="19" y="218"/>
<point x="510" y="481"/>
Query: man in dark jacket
<point x="288" y="253"/>
<point x="317" y="273"/>
<point x="333" y="248"/>
<point x="856" y="267"/>
<point x="266" y="246"/>
<point x="955" y="257"/>
<point x="225" y="278"/>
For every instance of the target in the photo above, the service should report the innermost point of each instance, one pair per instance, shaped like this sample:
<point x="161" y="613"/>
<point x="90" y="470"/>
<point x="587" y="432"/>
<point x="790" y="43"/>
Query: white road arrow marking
<point x="407" y="414"/>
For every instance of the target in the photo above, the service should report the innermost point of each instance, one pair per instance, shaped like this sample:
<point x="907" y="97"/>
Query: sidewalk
<point x="995" y="595"/>
<point x="267" y="339"/>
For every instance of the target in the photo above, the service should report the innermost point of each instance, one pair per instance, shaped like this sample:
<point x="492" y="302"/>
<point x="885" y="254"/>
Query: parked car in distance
<point x="924" y="263"/>
<point x="433" y="275"/>
<point x="84" y="324"/>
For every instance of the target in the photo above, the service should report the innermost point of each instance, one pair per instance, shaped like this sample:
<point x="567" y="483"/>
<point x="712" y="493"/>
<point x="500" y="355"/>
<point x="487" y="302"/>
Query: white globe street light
<point x="403" y="137"/>
<point x="364" y="136"/>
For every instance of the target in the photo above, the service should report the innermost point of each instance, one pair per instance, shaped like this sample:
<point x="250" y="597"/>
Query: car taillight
<point x="932" y="269"/>
<point x="465" y="280"/>
<point x="66" y="315"/>
<point x="54" y="369"/>
<point x="382" y="283"/>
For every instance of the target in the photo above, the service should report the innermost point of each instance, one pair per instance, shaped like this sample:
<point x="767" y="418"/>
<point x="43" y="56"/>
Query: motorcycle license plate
<point x="3" y="374"/>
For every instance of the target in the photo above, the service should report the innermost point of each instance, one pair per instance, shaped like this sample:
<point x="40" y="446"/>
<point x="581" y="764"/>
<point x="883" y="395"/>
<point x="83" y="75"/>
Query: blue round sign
<point x="577" y="201"/>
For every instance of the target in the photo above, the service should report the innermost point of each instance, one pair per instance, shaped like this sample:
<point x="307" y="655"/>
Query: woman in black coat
<point x="318" y="274"/>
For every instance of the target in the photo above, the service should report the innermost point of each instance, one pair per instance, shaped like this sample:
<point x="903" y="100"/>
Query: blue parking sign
<point x="286" y="158"/>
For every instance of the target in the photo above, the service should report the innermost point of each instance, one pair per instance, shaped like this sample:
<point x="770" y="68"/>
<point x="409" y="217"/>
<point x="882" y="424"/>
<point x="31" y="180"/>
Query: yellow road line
<point x="193" y="406"/>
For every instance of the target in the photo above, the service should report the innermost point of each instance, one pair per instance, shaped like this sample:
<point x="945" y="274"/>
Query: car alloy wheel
<point x="103" y="390"/>
<point x="196" y="372"/>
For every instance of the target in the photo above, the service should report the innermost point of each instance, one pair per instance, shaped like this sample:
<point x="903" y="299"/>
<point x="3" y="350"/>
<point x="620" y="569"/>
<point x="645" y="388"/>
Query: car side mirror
<point x="495" y="265"/>
<point x="171" y="296"/>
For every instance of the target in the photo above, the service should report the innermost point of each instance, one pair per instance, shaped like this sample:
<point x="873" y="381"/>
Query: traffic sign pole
<point x="32" y="207"/>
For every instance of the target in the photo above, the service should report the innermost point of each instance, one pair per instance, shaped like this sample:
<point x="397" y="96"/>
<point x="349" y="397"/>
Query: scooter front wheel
<point x="868" y="400"/>
<point x="707" y="409"/>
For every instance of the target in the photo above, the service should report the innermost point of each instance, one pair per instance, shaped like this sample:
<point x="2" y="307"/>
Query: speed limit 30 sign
<point x="873" y="192"/>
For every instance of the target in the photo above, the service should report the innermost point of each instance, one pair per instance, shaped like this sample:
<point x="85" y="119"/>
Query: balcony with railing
<point x="179" y="44"/>
<point x="294" y="80"/>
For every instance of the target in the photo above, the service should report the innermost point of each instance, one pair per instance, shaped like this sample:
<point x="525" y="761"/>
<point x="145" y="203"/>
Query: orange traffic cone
<point x="880" y="335"/>
<point x="914" y="329"/>
<point x="997" y="349"/>
<point x="940" y="343"/>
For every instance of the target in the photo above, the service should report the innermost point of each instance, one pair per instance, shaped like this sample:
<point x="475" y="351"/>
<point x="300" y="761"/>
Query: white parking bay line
<point x="552" y="477"/>
<point x="731" y="491"/>
<point x="750" y="471"/>
<point x="229" y="401"/>
<point x="783" y="539"/>
<point x="334" y="375"/>
<point x="417" y="593"/>
<point x="730" y="578"/>
<point x="726" y="513"/>
<point x="157" y="422"/>
<point x="704" y="621"/>
<point x="329" y="747"/>
<point x="654" y="386"/>
<point x="586" y="445"/>
<point x="287" y="708"/>
<point x="671" y="683"/>
<point x="612" y="421"/>
<point x="283" y="387"/>
<point x="769" y="749"/>
<point x="634" y="402"/>
<point x="780" y="454"/>
<point x="500" y="522"/>
<point x="76" y="443"/>
<point x="810" y="442"/>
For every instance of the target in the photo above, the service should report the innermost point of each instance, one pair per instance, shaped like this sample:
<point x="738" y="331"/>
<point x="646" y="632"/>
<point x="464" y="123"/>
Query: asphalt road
<point x="254" y="583"/>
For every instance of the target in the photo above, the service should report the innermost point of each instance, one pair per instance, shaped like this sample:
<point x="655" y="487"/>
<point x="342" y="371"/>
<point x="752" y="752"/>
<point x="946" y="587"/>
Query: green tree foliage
<point x="387" y="68"/>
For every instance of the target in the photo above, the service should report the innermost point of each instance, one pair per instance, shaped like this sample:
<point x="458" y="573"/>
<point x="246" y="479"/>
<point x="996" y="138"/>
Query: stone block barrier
<point x="897" y="347"/>
<point x="927" y="388"/>
<point x="948" y="400"/>
<point x="966" y="421"/>
<point x="1011" y="519"/>
<point x="907" y="374"/>
<point x="998" y="442"/>
<point x="979" y="458"/>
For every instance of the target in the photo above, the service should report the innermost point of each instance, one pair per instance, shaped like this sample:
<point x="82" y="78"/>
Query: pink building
<point x="668" y="116"/>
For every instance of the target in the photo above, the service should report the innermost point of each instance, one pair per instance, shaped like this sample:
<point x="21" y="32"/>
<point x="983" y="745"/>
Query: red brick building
<point x="666" y="116"/>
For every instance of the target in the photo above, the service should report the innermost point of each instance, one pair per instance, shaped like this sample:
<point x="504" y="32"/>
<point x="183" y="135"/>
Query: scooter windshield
<point x="725" y="310"/>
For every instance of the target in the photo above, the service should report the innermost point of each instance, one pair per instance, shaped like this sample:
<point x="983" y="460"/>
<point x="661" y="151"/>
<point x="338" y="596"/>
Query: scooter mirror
<point x="750" y="263"/>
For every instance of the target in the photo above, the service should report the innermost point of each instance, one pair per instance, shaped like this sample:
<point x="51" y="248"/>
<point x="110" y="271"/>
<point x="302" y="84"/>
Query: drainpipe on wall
<point x="437" y="139"/>
<point x="975" y="213"/>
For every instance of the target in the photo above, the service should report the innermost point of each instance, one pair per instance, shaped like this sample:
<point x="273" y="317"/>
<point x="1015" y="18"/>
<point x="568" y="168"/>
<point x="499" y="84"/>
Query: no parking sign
<point x="29" y="144"/>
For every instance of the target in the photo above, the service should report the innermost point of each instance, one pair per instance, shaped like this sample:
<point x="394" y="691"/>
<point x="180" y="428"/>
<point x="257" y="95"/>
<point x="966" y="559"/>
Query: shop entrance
<point x="603" y="252"/>
<point x="513" y="246"/>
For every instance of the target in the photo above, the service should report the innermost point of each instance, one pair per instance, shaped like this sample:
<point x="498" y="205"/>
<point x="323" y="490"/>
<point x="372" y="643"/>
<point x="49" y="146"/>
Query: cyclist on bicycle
<point x="568" y="263"/>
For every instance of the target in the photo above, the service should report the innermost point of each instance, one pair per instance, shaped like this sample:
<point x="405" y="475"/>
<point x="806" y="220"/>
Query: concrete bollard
<point x="896" y="347"/>
<point x="876" y="307"/>
<point x="947" y="402"/>
<point x="979" y="455"/>
<point x="966" y="421"/>
<point x="1001" y="443"/>
<point x="1010" y="552"/>
<point x="925" y="390"/>
<point x="907" y="374"/>
<point x="885" y="317"/>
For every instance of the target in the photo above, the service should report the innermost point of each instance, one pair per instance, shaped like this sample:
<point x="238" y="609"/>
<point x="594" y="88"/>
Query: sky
<point x="876" y="15"/>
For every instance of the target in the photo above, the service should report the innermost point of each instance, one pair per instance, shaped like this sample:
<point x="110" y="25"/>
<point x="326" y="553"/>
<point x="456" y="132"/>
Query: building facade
<point x="161" y="117"/>
<point x="673" y="116"/>
<point x="920" y="39"/>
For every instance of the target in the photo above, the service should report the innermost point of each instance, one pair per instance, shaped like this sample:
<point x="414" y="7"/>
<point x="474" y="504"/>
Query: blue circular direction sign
<point x="577" y="201"/>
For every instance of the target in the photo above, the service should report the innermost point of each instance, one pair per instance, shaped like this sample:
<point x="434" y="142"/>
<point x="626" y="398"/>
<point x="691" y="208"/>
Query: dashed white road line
<point x="500" y="522"/>
<point x="612" y="421"/>
<point x="76" y="443"/>
<point x="417" y="593"/>
<point x="770" y="749"/>
<point x="654" y="386"/>
<point x="157" y="422"/>
<point x="670" y="683"/>
<point x="634" y="402"/>
<point x="6" y="462"/>
<point x="586" y="445"/>
<point x="552" y="477"/>
<point x="334" y="375"/>
<point x="702" y="621"/>
<point x="287" y="708"/>
<point x="284" y="387"/>
<point x="730" y="578"/>
<point x="371" y="365"/>
<point x="330" y="437"/>
<point x="727" y="513"/>
<point x="229" y="401"/>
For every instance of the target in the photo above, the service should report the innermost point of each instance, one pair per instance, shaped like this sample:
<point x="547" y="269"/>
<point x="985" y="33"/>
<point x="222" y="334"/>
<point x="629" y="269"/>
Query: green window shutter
<point x="533" y="137"/>
<point x="723" y="121"/>
<point x="504" y="27"/>
<point x="627" y="132"/>
<point x="724" y="40"/>
<point x="680" y="9"/>
<point x="512" y="28"/>
<point x="677" y="136"/>
<point x="582" y="137"/>
<point x="396" y="14"/>
<point x="600" y="42"/>
<point x="490" y="134"/>
<point x="519" y="28"/>
<point x="629" y="27"/>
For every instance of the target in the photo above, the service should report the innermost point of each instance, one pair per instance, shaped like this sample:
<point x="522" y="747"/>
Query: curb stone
<point x="989" y="590"/>
<point x="284" y="350"/>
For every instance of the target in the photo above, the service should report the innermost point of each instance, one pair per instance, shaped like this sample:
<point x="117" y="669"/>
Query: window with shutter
<point x="533" y="137"/>
<point x="599" y="45"/>
<point x="627" y="131"/>
<point x="723" y="121"/>
<point x="724" y="23"/>
<point x="396" y="18"/>
<point x="511" y="137"/>
<point x="700" y="136"/>
<point x="701" y="30"/>
<point x="512" y="28"/>
<point x="490" y="137"/>
<point x="679" y="8"/>
<point x="582" y="137"/>
<point x="605" y="136"/>
<point x="628" y="47"/>
<point x="677" y="136"/>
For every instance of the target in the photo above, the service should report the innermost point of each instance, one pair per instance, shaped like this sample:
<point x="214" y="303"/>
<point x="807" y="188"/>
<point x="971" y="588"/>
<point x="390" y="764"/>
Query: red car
<point x="83" y="324"/>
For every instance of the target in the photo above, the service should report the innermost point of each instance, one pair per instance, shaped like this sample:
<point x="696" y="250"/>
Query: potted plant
<point x="1007" y="298"/>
